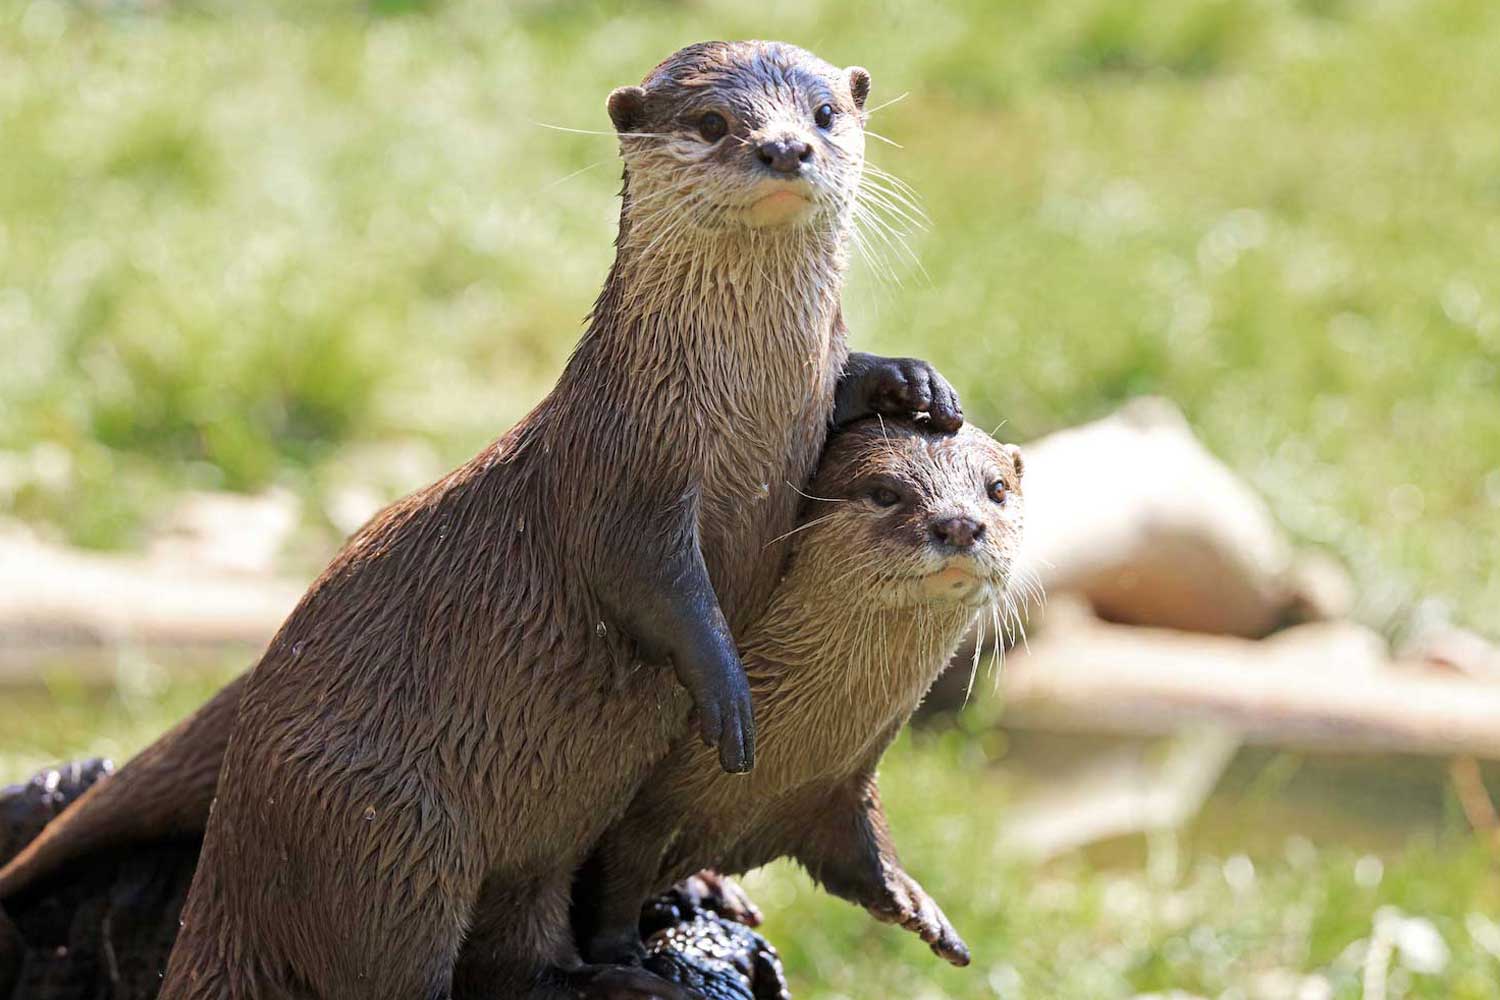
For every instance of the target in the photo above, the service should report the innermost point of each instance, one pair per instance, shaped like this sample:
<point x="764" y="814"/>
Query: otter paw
<point x="727" y="722"/>
<point x="896" y="387"/>
<point x="610" y="947"/>
<point x="905" y="902"/>
<point x="709" y="890"/>
<point x="611" y="982"/>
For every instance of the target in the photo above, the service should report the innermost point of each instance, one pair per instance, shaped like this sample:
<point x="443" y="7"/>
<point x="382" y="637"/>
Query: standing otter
<point x="408" y="772"/>
<point x="909" y="537"/>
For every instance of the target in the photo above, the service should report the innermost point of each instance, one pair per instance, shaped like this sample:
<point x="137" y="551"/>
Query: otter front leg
<point x="895" y="387"/>
<point x="668" y="604"/>
<point x="850" y="852"/>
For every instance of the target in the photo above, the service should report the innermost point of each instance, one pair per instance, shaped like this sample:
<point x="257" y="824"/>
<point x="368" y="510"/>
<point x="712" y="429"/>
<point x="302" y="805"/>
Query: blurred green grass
<point x="258" y="243"/>
<point x="232" y="244"/>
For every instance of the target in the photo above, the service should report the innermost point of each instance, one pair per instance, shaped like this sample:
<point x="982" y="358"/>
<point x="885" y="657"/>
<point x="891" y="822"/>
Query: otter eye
<point x="824" y="115"/>
<point x="884" y="496"/>
<point x="712" y="127"/>
<point x="997" y="491"/>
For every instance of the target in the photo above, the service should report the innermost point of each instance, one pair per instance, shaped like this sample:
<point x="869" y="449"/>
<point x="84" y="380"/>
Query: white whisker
<point x="565" y="179"/>
<point x="898" y="97"/>
<point x="590" y="131"/>
<point x="809" y="496"/>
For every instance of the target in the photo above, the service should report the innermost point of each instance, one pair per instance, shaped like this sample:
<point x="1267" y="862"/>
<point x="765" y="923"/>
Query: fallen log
<point x="1324" y="687"/>
<point x="80" y="609"/>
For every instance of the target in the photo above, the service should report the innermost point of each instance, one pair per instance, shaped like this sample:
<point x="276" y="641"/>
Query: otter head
<point x="742" y="134"/>
<point x="917" y="518"/>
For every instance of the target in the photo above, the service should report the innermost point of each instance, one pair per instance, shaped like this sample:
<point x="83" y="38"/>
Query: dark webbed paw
<point x="905" y="902"/>
<point x="705" y="892"/>
<point x="895" y="387"/>
<point x="709" y="890"/>
<point x="726" y="720"/>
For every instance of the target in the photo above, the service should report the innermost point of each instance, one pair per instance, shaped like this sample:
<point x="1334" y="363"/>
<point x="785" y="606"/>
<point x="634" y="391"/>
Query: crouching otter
<point x="907" y="538"/>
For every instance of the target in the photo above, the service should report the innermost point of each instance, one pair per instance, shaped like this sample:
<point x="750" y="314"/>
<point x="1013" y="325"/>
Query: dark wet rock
<point x="718" y="958"/>
<point x="27" y="807"/>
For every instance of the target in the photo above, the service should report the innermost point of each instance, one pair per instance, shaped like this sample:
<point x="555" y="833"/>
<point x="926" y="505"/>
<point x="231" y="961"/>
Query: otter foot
<point x="906" y="903"/>
<point x="895" y="387"/>
<point x="613" y="982"/>
<point x="709" y="890"/>
<point x="616" y="947"/>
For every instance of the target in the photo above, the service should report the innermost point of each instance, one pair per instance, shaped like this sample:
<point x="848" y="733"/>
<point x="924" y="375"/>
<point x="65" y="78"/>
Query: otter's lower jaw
<point x="958" y="585"/>
<point x="784" y="207"/>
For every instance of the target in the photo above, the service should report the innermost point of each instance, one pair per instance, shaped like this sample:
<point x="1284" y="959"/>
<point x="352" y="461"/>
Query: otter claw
<point x="737" y="742"/>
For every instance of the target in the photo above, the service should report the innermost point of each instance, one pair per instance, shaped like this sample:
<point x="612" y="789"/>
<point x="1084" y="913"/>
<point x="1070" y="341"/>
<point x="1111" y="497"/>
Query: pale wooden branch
<point x="78" y="609"/>
<point x="1327" y="687"/>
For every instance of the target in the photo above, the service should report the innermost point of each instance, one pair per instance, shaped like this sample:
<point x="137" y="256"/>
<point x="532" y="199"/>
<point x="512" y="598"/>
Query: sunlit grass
<point x="231" y="244"/>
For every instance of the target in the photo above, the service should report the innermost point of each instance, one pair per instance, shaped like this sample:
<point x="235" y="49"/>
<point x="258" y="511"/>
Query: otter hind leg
<point x="623" y="871"/>
<point x="520" y="943"/>
<point x="299" y="906"/>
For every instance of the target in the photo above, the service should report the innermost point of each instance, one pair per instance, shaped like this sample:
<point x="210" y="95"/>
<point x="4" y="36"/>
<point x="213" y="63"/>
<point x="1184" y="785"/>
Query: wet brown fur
<point x="849" y="645"/>
<point x="837" y="663"/>
<point x="454" y="712"/>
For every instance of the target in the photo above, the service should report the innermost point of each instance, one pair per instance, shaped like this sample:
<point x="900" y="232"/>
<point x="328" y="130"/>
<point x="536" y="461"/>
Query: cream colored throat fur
<point x="751" y="320"/>
<point x="830" y="694"/>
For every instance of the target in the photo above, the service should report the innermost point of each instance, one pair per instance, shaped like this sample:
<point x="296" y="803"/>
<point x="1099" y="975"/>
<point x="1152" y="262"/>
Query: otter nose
<point x="957" y="532"/>
<point x="785" y="155"/>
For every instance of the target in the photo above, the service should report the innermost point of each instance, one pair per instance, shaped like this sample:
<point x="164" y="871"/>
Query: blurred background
<point x="267" y="266"/>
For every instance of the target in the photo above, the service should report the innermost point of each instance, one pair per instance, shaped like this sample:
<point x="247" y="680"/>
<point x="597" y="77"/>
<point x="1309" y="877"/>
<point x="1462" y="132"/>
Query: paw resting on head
<point x="895" y="387"/>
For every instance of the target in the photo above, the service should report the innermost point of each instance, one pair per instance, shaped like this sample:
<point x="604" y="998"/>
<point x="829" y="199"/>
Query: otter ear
<point x="627" y="108"/>
<point x="859" y="84"/>
<point x="1015" y="459"/>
